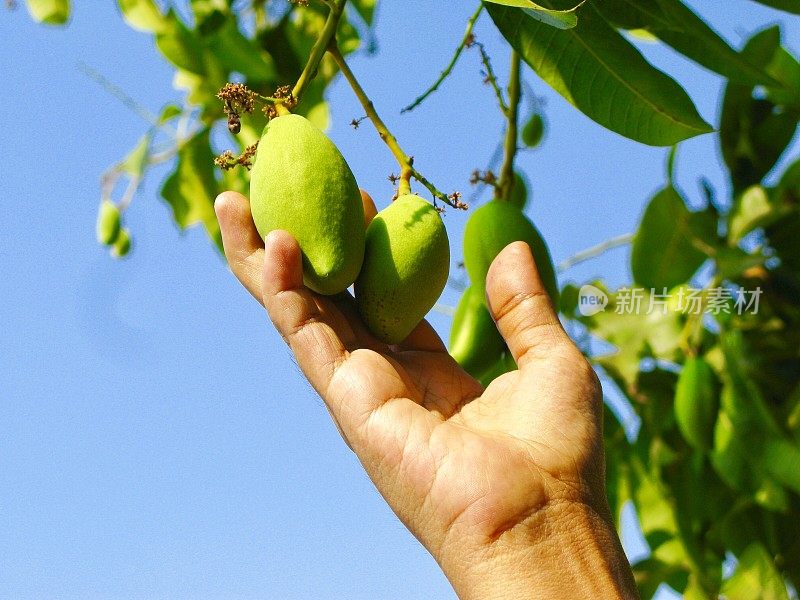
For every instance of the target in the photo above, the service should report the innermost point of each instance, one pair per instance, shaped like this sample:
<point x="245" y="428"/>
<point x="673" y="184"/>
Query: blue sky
<point x="156" y="438"/>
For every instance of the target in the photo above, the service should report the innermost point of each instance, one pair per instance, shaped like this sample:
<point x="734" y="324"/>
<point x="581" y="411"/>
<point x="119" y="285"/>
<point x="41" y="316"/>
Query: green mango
<point x="52" y="12"/>
<point x="475" y="342"/>
<point x="108" y="223"/>
<point x="494" y="226"/>
<point x="122" y="245"/>
<point x="533" y="132"/>
<point x="697" y="403"/>
<point x="519" y="193"/>
<point x="406" y="264"/>
<point x="301" y="183"/>
<point x="505" y="364"/>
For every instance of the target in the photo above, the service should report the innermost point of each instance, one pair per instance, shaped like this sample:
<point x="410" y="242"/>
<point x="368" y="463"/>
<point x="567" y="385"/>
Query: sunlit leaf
<point x="755" y="577"/>
<point x="136" y="162"/>
<point x="676" y="24"/>
<point x="51" y="12"/>
<point x="192" y="187"/>
<point x="604" y="75"/>
<point x="751" y="208"/>
<point x="560" y="19"/>
<point x="143" y="15"/>
<point x="169" y="112"/>
<point x="179" y="45"/>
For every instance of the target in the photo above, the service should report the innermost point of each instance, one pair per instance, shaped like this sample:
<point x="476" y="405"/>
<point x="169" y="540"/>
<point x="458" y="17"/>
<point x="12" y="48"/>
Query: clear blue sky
<point x="156" y="439"/>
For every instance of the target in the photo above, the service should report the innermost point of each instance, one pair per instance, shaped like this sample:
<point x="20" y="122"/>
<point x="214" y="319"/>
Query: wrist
<point x="563" y="551"/>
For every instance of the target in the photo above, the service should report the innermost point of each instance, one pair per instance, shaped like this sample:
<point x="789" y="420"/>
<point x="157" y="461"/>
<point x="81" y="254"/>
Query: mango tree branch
<point x="321" y="45"/>
<point x="506" y="183"/>
<point x="595" y="251"/>
<point x="491" y="78"/>
<point x="465" y="41"/>
<point x="406" y="162"/>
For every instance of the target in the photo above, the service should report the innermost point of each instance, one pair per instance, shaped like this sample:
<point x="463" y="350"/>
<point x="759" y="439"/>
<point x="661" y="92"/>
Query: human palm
<point x="463" y="467"/>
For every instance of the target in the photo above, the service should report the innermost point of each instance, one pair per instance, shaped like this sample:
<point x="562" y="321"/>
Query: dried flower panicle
<point x="238" y="98"/>
<point x="487" y="177"/>
<point x="455" y="200"/>
<point x="228" y="160"/>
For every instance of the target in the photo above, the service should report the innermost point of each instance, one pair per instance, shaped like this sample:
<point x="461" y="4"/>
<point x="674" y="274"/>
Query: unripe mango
<point x="697" y="402"/>
<point x="122" y="245"/>
<point x="533" y="132"/>
<point x="406" y="264"/>
<point x="490" y="229"/>
<point x="519" y="193"/>
<point x="301" y="183"/>
<point x="505" y="364"/>
<point x="108" y="223"/>
<point x="475" y="342"/>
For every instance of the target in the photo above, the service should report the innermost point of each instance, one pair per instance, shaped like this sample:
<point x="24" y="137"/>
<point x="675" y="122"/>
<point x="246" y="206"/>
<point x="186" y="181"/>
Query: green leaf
<point x="191" y="188"/>
<point x="781" y="459"/>
<point x="560" y="19"/>
<point x="170" y="111"/>
<point x="751" y="208"/>
<point x="143" y="15"/>
<point x="238" y="53"/>
<point x="136" y="162"/>
<point x="365" y="8"/>
<point x="50" y="12"/>
<point x="663" y="254"/>
<point x="180" y="45"/>
<point x="677" y="25"/>
<point x="733" y="261"/>
<point x="784" y="68"/>
<point x="792" y="6"/>
<point x="604" y="76"/>
<point x="755" y="577"/>
<point x="754" y="132"/>
<point x="635" y="334"/>
<point x="748" y="409"/>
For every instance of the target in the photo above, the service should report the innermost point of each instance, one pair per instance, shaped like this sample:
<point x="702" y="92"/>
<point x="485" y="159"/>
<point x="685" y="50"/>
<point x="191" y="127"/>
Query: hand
<point x="504" y="485"/>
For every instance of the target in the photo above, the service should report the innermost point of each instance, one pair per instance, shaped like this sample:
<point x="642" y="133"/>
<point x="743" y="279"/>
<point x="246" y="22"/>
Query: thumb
<point x="520" y="305"/>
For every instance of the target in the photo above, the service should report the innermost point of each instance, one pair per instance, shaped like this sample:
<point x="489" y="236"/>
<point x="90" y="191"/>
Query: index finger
<point x="317" y="332"/>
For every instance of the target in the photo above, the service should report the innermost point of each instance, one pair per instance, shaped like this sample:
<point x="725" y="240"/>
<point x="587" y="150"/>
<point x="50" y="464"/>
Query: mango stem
<point x="406" y="162"/>
<point x="320" y="46"/>
<point x="506" y="183"/>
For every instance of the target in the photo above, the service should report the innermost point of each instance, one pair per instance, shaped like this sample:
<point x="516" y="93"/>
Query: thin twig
<point x="406" y="162"/>
<point x="465" y="41"/>
<point x="595" y="251"/>
<point x="118" y="93"/>
<point x="491" y="78"/>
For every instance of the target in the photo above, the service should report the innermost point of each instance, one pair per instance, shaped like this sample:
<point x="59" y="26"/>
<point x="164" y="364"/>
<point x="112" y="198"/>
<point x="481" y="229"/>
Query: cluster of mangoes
<point x="475" y="342"/>
<point x="110" y="231"/>
<point x="301" y="183"/>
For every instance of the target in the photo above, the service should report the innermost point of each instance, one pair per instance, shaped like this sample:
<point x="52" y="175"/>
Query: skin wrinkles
<point x="504" y="486"/>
